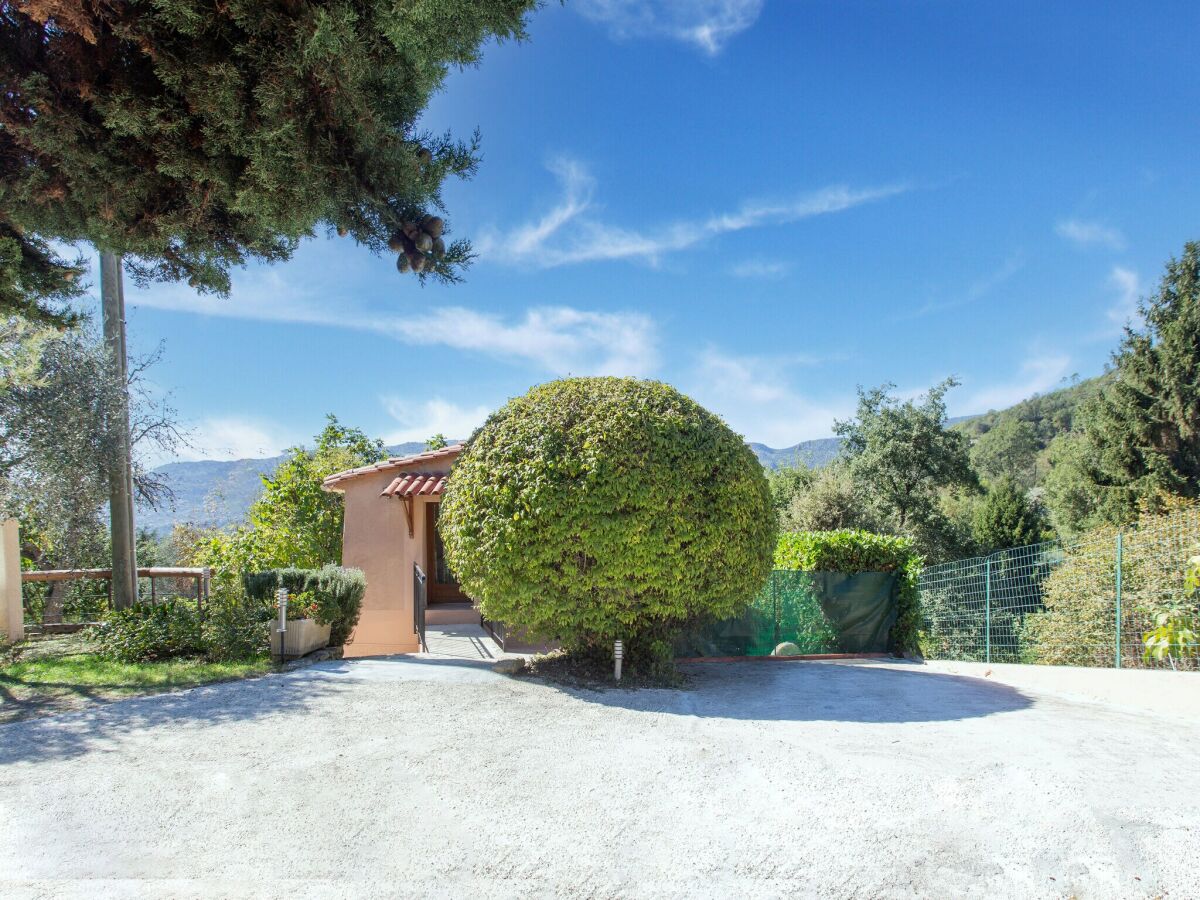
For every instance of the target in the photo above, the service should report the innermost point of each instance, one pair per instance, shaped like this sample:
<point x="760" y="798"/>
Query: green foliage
<point x="145" y="632"/>
<point x="332" y="595"/>
<point x="1176" y="634"/>
<point x="1007" y="518"/>
<point x="235" y="628"/>
<point x="832" y="500"/>
<point x="1138" y="439"/>
<point x="591" y="509"/>
<point x="297" y="523"/>
<point x="35" y="283"/>
<point x="437" y="442"/>
<point x="233" y="129"/>
<point x="788" y="482"/>
<point x="1008" y="451"/>
<point x="852" y="551"/>
<point x="1077" y="625"/>
<point x="902" y="457"/>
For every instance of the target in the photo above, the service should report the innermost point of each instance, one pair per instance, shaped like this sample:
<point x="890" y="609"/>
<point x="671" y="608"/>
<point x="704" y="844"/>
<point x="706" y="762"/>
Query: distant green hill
<point x="218" y="492"/>
<point x="1050" y="414"/>
<point x="214" y="492"/>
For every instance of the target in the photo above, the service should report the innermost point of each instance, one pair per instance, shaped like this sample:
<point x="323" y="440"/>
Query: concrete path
<point x="427" y="776"/>
<point x="466" y="642"/>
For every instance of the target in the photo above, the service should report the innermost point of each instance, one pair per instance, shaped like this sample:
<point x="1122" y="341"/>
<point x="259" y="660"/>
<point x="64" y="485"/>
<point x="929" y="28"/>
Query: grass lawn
<point x="60" y="674"/>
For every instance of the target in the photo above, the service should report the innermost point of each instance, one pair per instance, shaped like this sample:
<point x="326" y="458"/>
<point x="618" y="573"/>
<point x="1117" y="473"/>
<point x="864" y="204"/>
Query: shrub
<point x="332" y="593"/>
<point x="235" y="627"/>
<point x="852" y="551"/>
<point x="592" y="509"/>
<point x="1077" y="625"/>
<point x="145" y="633"/>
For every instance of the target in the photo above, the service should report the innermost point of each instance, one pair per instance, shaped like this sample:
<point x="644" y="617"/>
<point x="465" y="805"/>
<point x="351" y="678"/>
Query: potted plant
<point x="307" y="630"/>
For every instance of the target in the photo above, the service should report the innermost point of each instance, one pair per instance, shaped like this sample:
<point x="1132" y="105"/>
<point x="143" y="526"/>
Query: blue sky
<point x="763" y="203"/>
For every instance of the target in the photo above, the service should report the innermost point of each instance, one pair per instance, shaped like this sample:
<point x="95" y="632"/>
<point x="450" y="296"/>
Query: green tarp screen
<point x="819" y="612"/>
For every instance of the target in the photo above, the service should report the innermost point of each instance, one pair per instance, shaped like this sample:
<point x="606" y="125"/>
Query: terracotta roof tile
<point x="429" y="484"/>
<point x="396" y="462"/>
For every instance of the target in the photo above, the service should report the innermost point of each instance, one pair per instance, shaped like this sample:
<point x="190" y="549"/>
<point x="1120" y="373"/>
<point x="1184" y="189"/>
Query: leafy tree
<point x="788" y="482"/>
<point x="295" y="522"/>
<point x="1008" y="451"/>
<point x="592" y="509"/>
<point x="232" y="129"/>
<point x="902" y="457"/>
<point x="1141" y="435"/>
<point x="833" y="501"/>
<point x="57" y="396"/>
<point x="1006" y="518"/>
<point x="437" y="442"/>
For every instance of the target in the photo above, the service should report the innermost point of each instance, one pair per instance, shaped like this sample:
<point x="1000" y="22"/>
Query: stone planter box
<point x="302" y="637"/>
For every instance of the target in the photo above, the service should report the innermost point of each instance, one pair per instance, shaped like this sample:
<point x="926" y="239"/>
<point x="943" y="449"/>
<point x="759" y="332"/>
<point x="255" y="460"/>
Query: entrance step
<point x="460" y="613"/>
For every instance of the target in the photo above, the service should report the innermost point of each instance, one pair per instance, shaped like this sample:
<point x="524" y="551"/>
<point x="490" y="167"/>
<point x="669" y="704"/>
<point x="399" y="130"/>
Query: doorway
<point x="443" y="586"/>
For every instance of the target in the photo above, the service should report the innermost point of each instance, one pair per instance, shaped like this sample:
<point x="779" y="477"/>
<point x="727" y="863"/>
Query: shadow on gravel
<point x="99" y="727"/>
<point x="818" y="692"/>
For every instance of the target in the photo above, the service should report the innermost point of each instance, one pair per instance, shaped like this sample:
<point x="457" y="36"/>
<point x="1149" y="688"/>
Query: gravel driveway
<point x="407" y="777"/>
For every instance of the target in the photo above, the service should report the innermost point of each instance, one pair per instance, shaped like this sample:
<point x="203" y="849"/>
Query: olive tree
<point x="595" y="509"/>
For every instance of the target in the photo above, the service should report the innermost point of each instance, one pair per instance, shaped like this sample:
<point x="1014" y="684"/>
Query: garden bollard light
<point x="618" y="653"/>
<point x="281" y="597"/>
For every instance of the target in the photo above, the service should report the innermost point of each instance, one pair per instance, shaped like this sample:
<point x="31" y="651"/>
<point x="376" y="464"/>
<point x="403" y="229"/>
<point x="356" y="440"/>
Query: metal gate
<point x="420" y="601"/>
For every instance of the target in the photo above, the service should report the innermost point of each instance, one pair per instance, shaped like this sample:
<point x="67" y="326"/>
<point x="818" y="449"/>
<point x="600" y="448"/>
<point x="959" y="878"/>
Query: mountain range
<point x="216" y="492"/>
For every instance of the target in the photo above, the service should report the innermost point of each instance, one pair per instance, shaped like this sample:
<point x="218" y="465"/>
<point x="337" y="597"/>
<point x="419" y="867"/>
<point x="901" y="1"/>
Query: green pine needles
<point x="190" y="136"/>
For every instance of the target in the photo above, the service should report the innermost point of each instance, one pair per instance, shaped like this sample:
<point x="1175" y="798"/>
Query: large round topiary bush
<point x="592" y="509"/>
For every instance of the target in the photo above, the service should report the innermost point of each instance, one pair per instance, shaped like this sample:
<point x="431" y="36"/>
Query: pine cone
<point x="402" y="264"/>
<point x="439" y="248"/>
<point x="424" y="242"/>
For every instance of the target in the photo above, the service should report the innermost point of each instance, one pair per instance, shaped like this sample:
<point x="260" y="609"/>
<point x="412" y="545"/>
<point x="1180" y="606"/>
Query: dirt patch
<point x="572" y="670"/>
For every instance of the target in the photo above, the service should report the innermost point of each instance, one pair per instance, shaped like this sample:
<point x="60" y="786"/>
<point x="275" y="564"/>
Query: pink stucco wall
<point x="375" y="539"/>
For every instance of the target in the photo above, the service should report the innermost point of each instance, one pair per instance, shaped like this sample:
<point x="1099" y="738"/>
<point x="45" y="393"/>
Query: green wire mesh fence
<point x="1119" y="598"/>
<point x="802" y="613"/>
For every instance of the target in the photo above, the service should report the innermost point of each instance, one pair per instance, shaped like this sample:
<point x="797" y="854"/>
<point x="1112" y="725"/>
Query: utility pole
<point x="120" y="474"/>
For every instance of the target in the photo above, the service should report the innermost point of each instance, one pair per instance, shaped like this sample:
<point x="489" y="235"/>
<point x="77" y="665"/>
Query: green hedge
<point x="852" y="551"/>
<point x="338" y="593"/>
<point x="148" y="633"/>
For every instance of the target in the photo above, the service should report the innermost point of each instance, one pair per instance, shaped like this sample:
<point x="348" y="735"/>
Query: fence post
<point x="987" y="609"/>
<point x="1120" y="556"/>
<point x="775" y="606"/>
<point x="12" y="611"/>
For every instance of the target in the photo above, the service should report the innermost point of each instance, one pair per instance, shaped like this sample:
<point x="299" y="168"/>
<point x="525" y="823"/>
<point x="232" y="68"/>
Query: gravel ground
<point x="406" y="777"/>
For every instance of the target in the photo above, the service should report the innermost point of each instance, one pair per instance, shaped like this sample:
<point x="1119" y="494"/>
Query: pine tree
<point x="1006" y="518"/>
<point x="1143" y="431"/>
<point x="188" y="136"/>
<point x="183" y="137"/>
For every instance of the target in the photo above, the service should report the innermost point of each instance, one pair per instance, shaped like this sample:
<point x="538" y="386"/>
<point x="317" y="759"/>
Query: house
<point x="390" y="532"/>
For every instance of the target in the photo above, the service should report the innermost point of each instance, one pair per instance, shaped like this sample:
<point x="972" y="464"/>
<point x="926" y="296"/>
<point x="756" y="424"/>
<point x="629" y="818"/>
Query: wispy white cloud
<point x="420" y="420"/>
<point x="756" y="397"/>
<point x="765" y="269"/>
<point x="559" y="339"/>
<point x="1090" y="234"/>
<point x="976" y="290"/>
<point x="235" y="437"/>
<point x="1128" y="287"/>
<point x="706" y="24"/>
<point x="568" y="234"/>
<point x="1040" y="372"/>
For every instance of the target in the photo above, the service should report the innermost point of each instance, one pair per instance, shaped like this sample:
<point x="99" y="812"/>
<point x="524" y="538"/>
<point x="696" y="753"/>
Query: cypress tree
<point x="183" y="137"/>
<point x="188" y="136"/>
